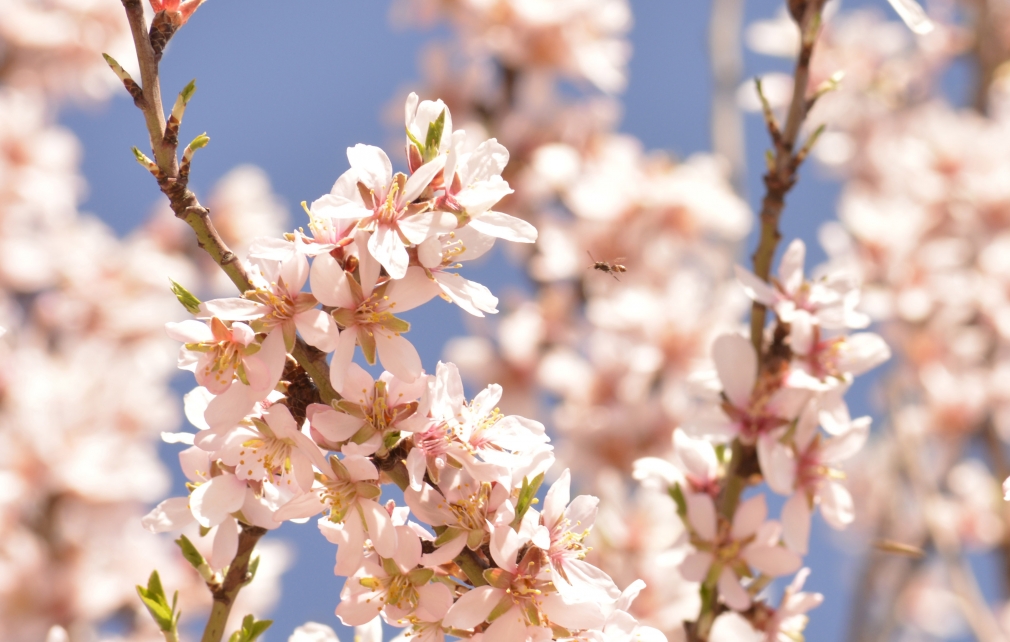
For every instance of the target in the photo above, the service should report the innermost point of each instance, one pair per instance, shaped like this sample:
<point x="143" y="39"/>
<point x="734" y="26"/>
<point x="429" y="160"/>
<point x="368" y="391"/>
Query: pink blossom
<point x="801" y="467"/>
<point x="369" y="412"/>
<point x="829" y="302"/>
<point x="464" y="506"/>
<point x="348" y="489"/>
<point x="476" y="185"/>
<point x="694" y="464"/>
<point x="396" y="586"/>
<point x="516" y="592"/>
<point x="439" y="254"/>
<point x="752" y="407"/>
<point x="365" y="312"/>
<point x="278" y="302"/>
<point x="383" y="204"/>
<point x="217" y="354"/>
<point x="271" y="448"/>
<point x="724" y="552"/>
<point x="788" y="621"/>
<point x="564" y="528"/>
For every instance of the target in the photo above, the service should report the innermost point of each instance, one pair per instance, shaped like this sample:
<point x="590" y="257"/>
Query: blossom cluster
<point x="923" y="227"/>
<point x="479" y="560"/>
<point x="625" y="355"/>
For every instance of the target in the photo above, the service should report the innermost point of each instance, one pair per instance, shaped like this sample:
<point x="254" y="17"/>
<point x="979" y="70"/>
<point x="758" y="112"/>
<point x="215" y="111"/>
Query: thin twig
<point x="237" y="577"/>
<point x="185" y="203"/>
<point x="783" y="165"/>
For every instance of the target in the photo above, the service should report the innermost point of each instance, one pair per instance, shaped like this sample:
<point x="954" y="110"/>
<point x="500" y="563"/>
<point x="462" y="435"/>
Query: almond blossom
<point x="383" y="205"/>
<point x="517" y="601"/>
<point x="800" y="466"/>
<point x="829" y="302"/>
<point x="395" y="586"/>
<point x="218" y="354"/>
<point x="476" y="186"/>
<point x="365" y="314"/>
<point x="278" y="302"/>
<point x="564" y="527"/>
<point x="752" y="407"/>
<point x="370" y="412"/>
<point x="348" y="489"/>
<point x="726" y="552"/>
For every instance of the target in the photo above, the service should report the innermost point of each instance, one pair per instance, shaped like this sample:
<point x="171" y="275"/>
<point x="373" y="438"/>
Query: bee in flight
<point x="612" y="268"/>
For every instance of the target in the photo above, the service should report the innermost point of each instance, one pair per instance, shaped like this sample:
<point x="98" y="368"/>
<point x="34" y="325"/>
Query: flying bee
<point x="613" y="268"/>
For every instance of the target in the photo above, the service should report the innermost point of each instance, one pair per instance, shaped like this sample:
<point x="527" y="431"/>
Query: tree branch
<point x="783" y="165"/>
<point x="185" y="203"/>
<point x="237" y="577"/>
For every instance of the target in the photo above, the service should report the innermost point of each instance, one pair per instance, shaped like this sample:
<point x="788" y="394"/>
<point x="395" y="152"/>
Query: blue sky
<point x="289" y="89"/>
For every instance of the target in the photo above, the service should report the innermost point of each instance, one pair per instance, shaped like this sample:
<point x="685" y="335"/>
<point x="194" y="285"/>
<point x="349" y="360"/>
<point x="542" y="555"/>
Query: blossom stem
<point x="237" y="577"/>
<point x="184" y="202"/>
<point x="783" y="163"/>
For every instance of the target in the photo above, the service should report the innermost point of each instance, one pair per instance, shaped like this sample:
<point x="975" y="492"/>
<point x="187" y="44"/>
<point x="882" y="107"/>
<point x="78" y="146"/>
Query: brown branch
<point x="237" y="577"/>
<point x="784" y="162"/>
<point x="174" y="184"/>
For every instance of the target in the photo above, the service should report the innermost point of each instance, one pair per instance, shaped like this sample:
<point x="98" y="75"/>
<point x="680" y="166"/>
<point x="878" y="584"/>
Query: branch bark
<point x="237" y="577"/>
<point x="781" y="175"/>
<point x="185" y="203"/>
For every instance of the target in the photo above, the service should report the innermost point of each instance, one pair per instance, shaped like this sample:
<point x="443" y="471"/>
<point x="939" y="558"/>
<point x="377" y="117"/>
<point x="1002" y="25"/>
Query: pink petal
<point x="504" y="227"/>
<point x="777" y="463"/>
<point x="434" y="601"/>
<point x="796" y="523"/>
<point x="328" y="282"/>
<point x="318" y="329"/>
<point x="189" y="331"/>
<point x="473" y="608"/>
<point x="380" y="527"/>
<point x="171" y="514"/>
<point x="754" y="287"/>
<point x="772" y="560"/>
<point x="836" y="505"/>
<point x="387" y="248"/>
<point x="300" y="507"/>
<point x="414" y="289"/>
<point x="342" y="357"/>
<point x="509" y="627"/>
<point x="557" y="499"/>
<point x="701" y="515"/>
<point x="733" y="594"/>
<point x="737" y="366"/>
<point x="398" y="356"/>
<point x="749" y="516"/>
<point x="572" y="615"/>
<point x="791" y="266"/>
<point x="427" y="225"/>
<point x="225" y="544"/>
<point x="214" y="500"/>
<point x="336" y="426"/>
<point x="445" y="553"/>
<point x="372" y="165"/>
<point x="420" y="179"/>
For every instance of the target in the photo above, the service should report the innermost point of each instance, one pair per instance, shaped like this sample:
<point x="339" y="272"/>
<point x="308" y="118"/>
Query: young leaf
<point x="157" y="604"/>
<point x="434" y="137"/>
<point x="186" y="298"/>
<point x="527" y="497"/>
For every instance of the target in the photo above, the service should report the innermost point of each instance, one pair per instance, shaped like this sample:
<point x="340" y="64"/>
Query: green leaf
<point x="186" y="298"/>
<point x="434" y="137"/>
<point x="189" y="552"/>
<point x="678" y="497"/>
<point x="527" y="497"/>
<point x="153" y="597"/>
<point x="251" y="629"/>
<point x="253" y="567"/>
